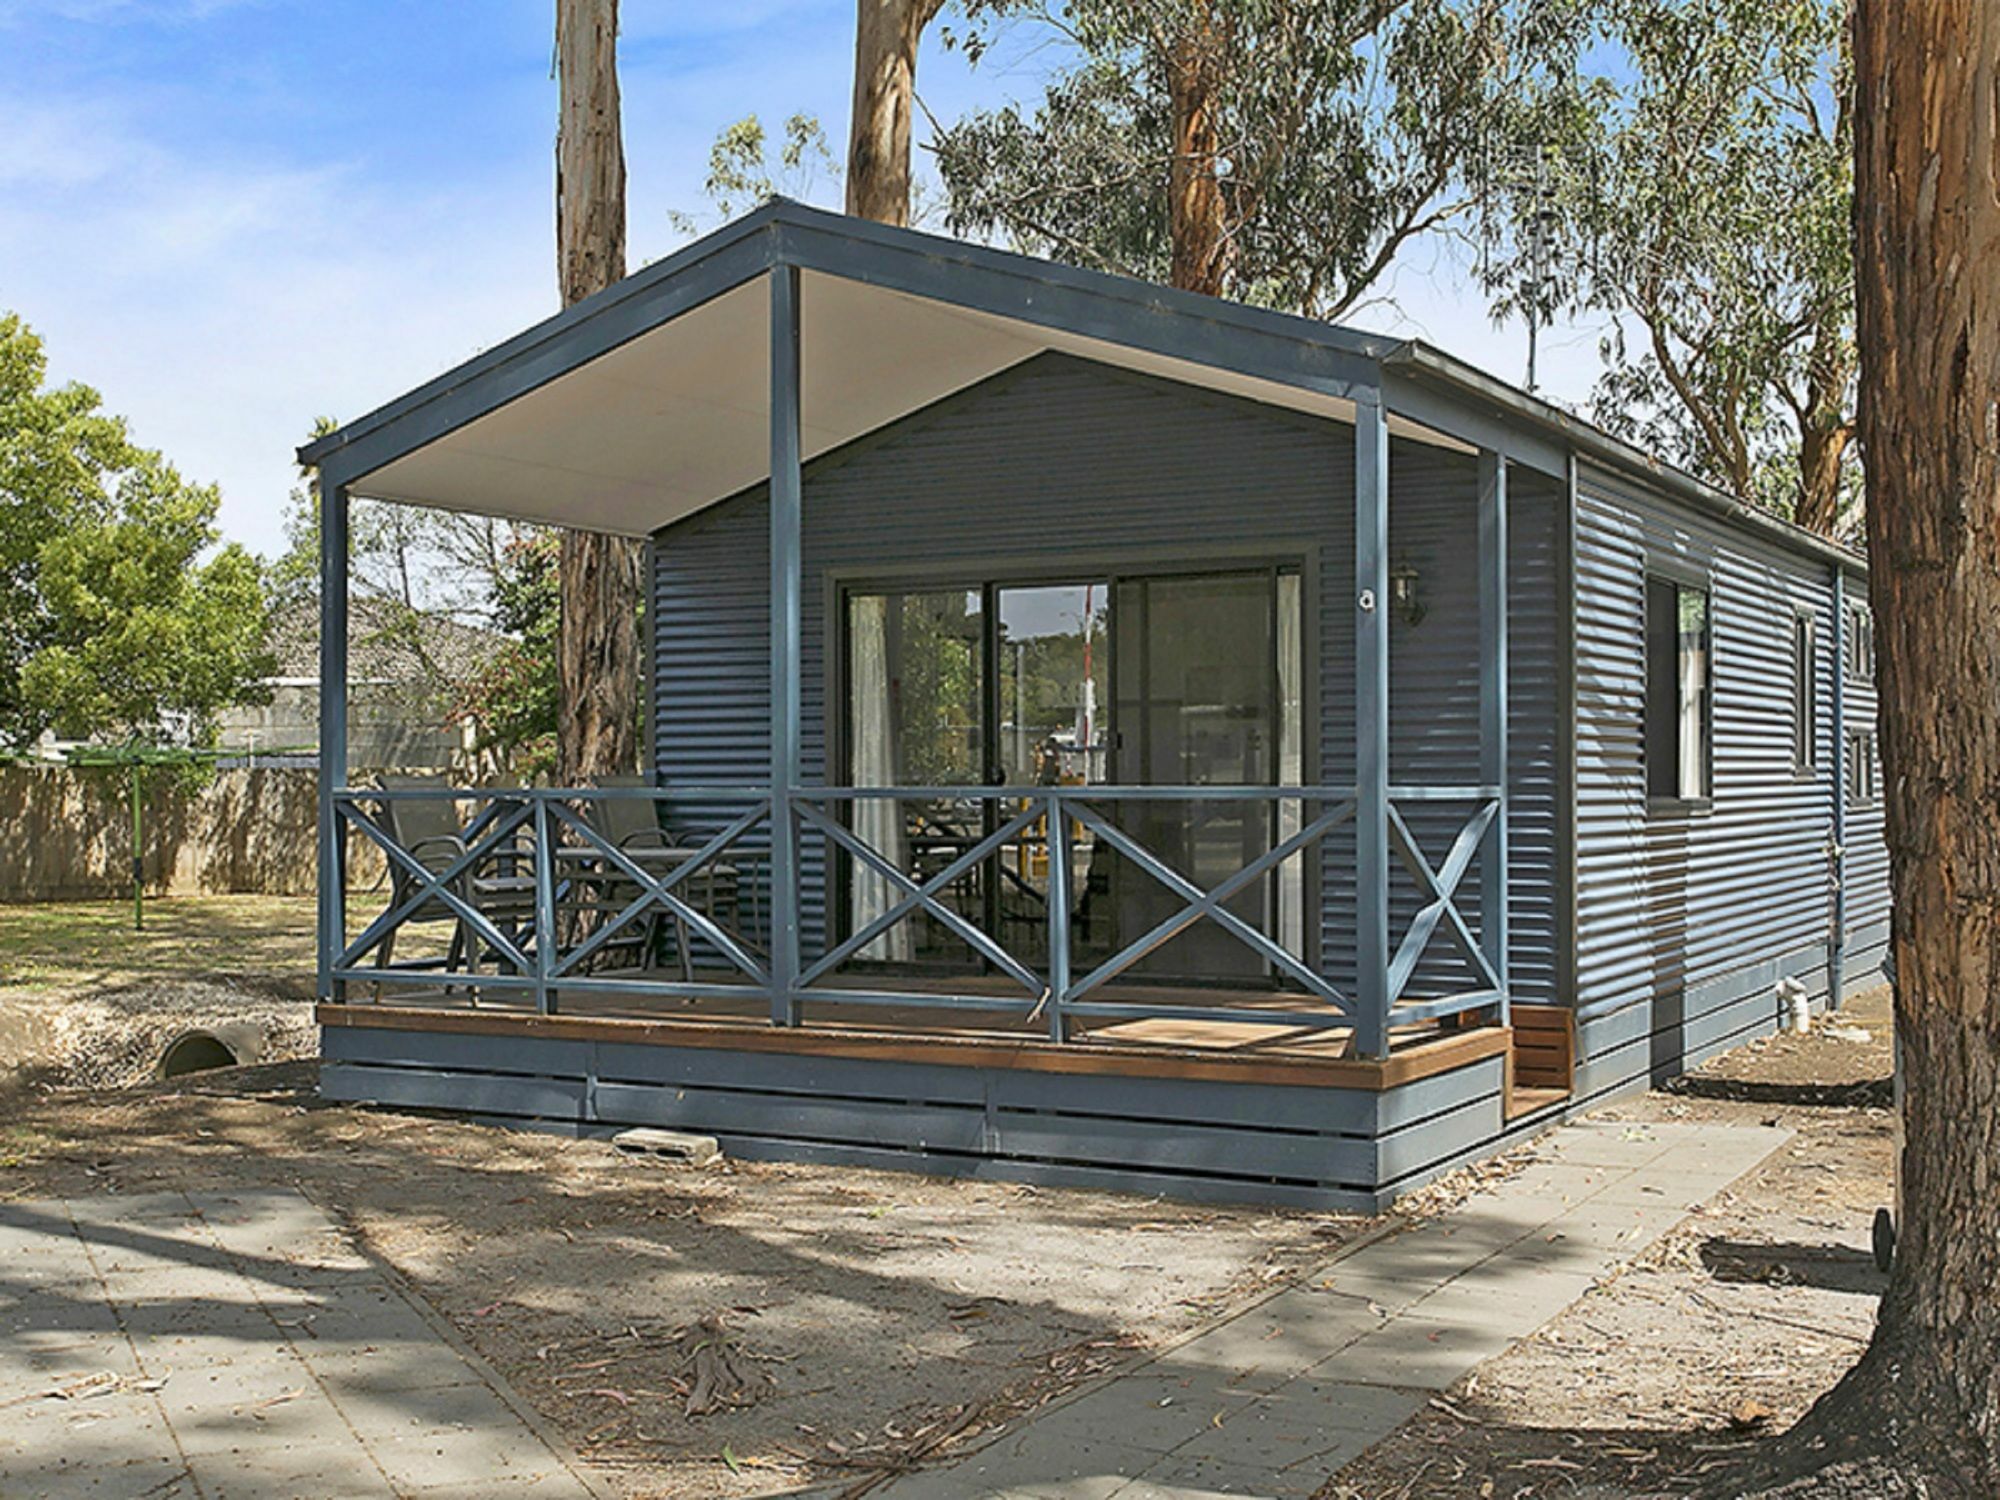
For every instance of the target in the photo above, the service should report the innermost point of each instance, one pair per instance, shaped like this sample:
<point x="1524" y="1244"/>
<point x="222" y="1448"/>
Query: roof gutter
<point x="1419" y="361"/>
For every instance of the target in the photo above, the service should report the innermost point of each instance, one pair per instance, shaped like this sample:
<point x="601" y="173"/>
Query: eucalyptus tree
<point x="1278" y="151"/>
<point x="1919" y="1414"/>
<point x="598" y="662"/>
<point x="1695" y="185"/>
<point x="887" y="34"/>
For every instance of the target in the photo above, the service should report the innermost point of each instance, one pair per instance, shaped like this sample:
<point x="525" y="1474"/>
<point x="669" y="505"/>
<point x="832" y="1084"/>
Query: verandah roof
<point x="650" y="400"/>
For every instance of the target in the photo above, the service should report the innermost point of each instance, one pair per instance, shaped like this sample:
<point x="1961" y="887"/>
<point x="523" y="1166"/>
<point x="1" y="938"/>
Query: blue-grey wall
<point x="1061" y="460"/>
<point x="1689" y="916"/>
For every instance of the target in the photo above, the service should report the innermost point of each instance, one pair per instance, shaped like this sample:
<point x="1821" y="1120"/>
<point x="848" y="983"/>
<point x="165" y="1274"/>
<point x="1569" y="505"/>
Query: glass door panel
<point x="1169" y="680"/>
<point x="916" y="684"/>
<point x="1053" y="671"/>
<point x="1198" y="698"/>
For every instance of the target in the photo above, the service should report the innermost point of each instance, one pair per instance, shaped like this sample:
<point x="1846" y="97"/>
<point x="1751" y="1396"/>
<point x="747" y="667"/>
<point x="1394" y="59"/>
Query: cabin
<point x="1098" y="735"/>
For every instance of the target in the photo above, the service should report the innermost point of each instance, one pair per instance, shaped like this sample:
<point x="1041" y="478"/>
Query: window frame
<point x="1681" y="578"/>
<point x="1863" y="786"/>
<point x="1805" y="693"/>
<point x="1860" y="654"/>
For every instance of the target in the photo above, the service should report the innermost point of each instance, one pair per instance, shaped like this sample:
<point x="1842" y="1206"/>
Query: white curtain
<point x="1694" y="693"/>
<point x="1291" y="766"/>
<point x="878" y="822"/>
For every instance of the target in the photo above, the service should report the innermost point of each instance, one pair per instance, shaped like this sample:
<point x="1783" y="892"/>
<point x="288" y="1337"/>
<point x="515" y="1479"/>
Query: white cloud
<point x="223" y="297"/>
<point x="223" y="304"/>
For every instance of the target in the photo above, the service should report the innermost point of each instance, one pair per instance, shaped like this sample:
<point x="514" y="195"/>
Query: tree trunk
<point x="1196" y="213"/>
<point x="1922" y="1407"/>
<point x="1824" y="432"/>
<point x="1822" y="454"/>
<point x="886" y="36"/>
<point x="598" y="666"/>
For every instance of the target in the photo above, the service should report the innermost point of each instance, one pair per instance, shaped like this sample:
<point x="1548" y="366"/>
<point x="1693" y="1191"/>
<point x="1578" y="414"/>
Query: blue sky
<point x="233" y="215"/>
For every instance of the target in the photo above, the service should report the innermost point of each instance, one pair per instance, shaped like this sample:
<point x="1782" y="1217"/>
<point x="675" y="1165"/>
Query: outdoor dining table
<point x="599" y="886"/>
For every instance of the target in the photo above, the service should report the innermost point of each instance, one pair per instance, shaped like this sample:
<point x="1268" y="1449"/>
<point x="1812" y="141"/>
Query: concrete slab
<point x="1273" y="1400"/>
<point x="162" y="1345"/>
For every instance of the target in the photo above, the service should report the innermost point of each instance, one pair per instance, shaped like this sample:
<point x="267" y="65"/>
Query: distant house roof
<point x="389" y="643"/>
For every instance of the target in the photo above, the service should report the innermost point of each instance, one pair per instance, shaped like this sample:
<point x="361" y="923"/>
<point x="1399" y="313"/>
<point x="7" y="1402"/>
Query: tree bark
<point x="1923" y="1404"/>
<point x="598" y="666"/>
<point x="1197" y="214"/>
<point x="1825" y="430"/>
<point x="886" y="36"/>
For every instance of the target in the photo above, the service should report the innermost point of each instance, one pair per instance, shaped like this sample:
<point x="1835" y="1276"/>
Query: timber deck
<point x="1160" y="1047"/>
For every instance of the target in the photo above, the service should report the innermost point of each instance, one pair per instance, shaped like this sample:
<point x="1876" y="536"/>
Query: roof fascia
<point x="1119" y="310"/>
<point x="699" y="273"/>
<point x="1419" y="363"/>
<point x="1475" y="422"/>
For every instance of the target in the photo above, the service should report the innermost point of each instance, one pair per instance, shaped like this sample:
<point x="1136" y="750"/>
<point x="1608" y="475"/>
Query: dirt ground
<point x="1724" y="1333"/>
<point x="877" y="1318"/>
<point x="886" y="1312"/>
<point x="86" y="1001"/>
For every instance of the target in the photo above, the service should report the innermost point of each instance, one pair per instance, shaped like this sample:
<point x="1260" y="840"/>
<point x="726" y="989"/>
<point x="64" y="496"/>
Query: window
<point x="1678" y="708"/>
<point x="1860" y="644"/>
<point x="1862" y="784"/>
<point x="1805" y="691"/>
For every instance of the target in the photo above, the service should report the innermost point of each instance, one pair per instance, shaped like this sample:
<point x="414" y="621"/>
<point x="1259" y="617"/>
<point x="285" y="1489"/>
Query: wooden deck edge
<point x="1123" y="1059"/>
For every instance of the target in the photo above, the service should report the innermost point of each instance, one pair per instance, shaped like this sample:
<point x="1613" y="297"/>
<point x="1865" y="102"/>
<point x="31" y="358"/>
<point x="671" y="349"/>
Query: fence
<point x="67" y="835"/>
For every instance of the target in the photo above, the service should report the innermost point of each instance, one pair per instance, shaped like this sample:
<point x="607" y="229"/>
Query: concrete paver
<point x="215" y="1346"/>
<point x="1276" y="1399"/>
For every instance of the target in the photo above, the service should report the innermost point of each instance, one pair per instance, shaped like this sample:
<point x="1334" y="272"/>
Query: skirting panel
<point x="1304" y="1146"/>
<point x="1649" y="1042"/>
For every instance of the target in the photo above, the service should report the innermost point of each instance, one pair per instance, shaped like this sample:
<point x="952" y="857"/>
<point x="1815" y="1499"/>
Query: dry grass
<point x="84" y="946"/>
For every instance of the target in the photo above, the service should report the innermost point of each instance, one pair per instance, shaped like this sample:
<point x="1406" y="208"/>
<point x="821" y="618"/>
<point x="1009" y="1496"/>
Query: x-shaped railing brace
<point x="1208" y="905"/>
<point x="1440" y="885"/>
<point x="659" y="890"/>
<point x="924" y="897"/>
<point x="431" y="884"/>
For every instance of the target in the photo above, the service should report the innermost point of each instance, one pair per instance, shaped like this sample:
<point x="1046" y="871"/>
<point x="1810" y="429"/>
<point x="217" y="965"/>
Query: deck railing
<point x="542" y="898"/>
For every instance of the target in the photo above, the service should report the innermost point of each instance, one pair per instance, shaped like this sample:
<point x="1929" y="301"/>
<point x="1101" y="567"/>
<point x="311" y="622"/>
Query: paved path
<point x="191" y="1347"/>
<point x="1281" y="1396"/>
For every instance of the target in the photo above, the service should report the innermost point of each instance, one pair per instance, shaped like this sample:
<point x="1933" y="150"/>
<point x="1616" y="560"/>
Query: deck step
<point x="1522" y="1101"/>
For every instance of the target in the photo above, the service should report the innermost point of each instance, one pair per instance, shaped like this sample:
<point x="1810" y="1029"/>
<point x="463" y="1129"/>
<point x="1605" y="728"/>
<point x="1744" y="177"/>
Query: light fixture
<point x="1403" y="593"/>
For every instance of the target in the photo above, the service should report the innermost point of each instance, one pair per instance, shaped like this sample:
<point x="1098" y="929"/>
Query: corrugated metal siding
<point x="1867" y="848"/>
<point x="1434" y="705"/>
<point x="1062" y="459"/>
<point x="1672" y="900"/>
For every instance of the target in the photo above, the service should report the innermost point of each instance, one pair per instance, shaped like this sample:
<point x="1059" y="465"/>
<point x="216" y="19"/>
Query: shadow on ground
<point x="1833" y="1268"/>
<point x="887" y="1310"/>
<point x="1870" y="1093"/>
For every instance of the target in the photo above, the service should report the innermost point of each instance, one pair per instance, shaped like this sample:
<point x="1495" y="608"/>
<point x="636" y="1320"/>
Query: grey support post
<point x="1371" y="725"/>
<point x="332" y="727"/>
<point x="1836" y="944"/>
<point x="787" y="586"/>
<point x="1493" y="711"/>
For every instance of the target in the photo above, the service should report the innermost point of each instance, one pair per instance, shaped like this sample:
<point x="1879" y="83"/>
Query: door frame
<point x="1110" y="564"/>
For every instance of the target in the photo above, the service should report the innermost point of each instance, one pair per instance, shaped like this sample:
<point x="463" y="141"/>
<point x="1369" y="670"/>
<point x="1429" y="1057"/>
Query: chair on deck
<point x="427" y="828"/>
<point x="631" y="825"/>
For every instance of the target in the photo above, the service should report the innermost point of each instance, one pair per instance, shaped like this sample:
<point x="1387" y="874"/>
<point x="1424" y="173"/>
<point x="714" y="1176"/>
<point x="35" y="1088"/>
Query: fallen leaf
<point x="100" y="1384"/>
<point x="1750" y="1413"/>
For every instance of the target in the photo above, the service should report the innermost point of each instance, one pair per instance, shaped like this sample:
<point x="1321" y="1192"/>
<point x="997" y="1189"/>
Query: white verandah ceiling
<point x="677" y="418"/>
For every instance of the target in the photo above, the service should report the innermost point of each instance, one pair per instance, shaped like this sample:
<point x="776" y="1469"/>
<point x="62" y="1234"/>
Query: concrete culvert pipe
<point x="199" y="1050"/>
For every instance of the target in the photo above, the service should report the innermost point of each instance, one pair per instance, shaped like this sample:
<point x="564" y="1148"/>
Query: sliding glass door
<point x="1184" y="679"/>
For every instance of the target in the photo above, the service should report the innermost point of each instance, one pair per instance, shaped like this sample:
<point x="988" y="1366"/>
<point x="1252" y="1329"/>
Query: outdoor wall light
<point x="1404" y="594"/>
